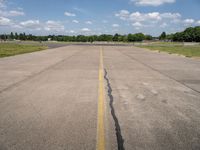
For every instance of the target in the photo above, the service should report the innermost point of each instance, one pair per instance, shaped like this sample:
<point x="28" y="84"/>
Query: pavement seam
<point x="36" y="74"/>
<point x="120" y="140"/>
<point x="148" y="66"/>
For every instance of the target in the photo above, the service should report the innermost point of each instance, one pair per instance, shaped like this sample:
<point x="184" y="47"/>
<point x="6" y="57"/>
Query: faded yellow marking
<point x="101" y="109"/>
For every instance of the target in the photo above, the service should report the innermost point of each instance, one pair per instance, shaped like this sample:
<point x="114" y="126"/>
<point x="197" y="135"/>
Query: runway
<point x="99" y="97"/>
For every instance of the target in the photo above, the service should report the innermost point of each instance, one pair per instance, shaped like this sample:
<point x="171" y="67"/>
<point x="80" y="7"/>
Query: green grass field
<point x="11" y="49"/>
<point x="175" y="48"/>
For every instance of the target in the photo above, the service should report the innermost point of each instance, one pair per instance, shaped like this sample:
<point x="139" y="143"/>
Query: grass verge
<point x="188" y="51"/>
<point x="9" y="49"/>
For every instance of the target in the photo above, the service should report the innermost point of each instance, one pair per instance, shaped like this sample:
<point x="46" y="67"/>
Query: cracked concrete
<point x="120" y="140"/>
<point x="156" y="110"/>
<point x="48" y="99"/>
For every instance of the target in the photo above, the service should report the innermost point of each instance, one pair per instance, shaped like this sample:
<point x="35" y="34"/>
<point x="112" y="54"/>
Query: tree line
<point x="191" y="34"/>
<point x="78" y="38"/>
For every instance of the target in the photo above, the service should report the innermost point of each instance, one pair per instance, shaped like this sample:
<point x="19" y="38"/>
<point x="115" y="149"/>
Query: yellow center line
<point x="100" y="122"/>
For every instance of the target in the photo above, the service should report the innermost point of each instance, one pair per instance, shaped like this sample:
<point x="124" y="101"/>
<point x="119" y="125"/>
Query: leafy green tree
<point x="197" y="33"/>
<point x="169" y="36"/>
<point x="131" y="38"/>
<point x="16" y="36"/>
<point x="12" y="35"/>
<point x="191" y="34"/>
<point x="139" y="37"/>
<point x="90" y="39"/>
<point x="116" y="37"/>
<point x="148" y="37"/>
<point x="162" y="36"/>
<point x="3" y="37"/>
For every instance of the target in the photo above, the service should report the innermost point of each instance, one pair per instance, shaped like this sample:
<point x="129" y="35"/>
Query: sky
<point x="88" y="17"/>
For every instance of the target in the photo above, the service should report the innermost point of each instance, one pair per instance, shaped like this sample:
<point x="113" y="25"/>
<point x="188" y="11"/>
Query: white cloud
<point x="137" y="28"/>
<point x="123" y="14"/>
<point x="163" y="25"/>
<point x="198" y="22"/>
<point x="4" y="12"/>
<point x="2" y="4"/>
<point x="137" y="16"/>
<point x="153" y="15"/>
<point x="188" y="21"/>
<point x="176" y="21"/>
<point x="17" y="26"/>
<point x="69" y="14"/>
<point x="85" y="30"/>
<point x="16" y="13"/>
<point x="147" y="17"/>
<point x="5" y="21"/>
<point x="170" y="15"/>
<point x="75" y="21"/>
<point x="154" y="21"/>
<point x="72" y="31"/>
<point x="88" y="22"/>
<point x="115" y="25"/>
<point x="54" y="26"/>
<point x="137" y="24"/>
<point x="151" y="2"/>
<point x="31" y="24"/>
<point x="12" y="13"/>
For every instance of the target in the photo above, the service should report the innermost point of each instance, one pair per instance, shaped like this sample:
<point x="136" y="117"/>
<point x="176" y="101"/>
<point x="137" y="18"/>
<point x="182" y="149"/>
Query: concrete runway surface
<point x="49" y="100"/>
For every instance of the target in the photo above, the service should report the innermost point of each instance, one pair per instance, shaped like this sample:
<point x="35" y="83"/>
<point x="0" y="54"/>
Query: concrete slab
<point x="155" y="108"/>
<point x="55" y="109"/>
<point x="48" y="99"/>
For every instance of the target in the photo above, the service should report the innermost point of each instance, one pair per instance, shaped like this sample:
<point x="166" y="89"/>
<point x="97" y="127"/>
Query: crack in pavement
<point x="120" y="140"/>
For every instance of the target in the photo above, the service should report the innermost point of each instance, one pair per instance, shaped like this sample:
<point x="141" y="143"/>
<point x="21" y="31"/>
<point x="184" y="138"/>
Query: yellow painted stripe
<point x="100" y="123"/>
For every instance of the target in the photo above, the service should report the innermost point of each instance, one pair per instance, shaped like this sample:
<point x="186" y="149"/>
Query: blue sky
<point x="72" y="17"/>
